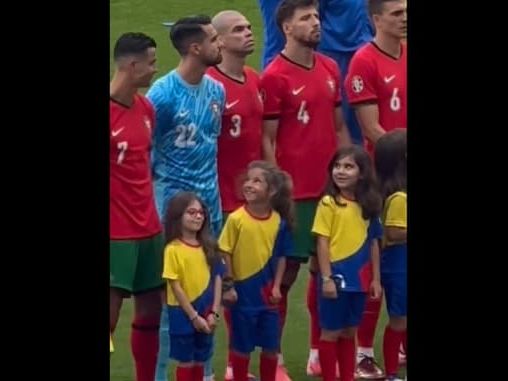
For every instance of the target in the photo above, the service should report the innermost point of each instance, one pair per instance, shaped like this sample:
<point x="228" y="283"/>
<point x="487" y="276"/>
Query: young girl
<point x="255" y="240"/>
<point x="390" y="159"/>
<point x="192" y="268"/>
<point x="348" y="229"/>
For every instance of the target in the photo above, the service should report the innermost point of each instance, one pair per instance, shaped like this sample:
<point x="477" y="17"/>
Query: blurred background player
<point x="240" y="139"/>
<point x="303" y="125"/>
<point x="376" y="87"/>
<point x="135" y="246"/>
<point x="188" y="106"/>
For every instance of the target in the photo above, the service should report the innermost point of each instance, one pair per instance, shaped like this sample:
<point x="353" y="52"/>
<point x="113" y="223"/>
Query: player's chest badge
<point x="331" y="84"/>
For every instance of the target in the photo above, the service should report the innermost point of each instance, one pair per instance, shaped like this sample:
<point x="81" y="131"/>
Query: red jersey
<point x="304" y="102"/>
<point x="239" y="142"/>
<point x="375" y="76"/>
<point x="132" y="212"/>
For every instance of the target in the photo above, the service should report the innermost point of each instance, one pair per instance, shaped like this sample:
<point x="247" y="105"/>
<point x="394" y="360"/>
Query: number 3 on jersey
<point x="303" y="115"/>
<point x="237" y="126"/>
<point x="185" y="136"/>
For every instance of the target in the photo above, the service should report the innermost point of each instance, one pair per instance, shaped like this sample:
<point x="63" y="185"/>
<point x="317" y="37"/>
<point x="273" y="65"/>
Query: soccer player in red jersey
<point x="135" y="248"/>
<point x="302" y="128"/>
<point x="240" y="140"/>
<point x="376" y="86"/>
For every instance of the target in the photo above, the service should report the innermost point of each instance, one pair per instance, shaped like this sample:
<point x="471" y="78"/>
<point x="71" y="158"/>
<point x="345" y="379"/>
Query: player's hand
<point x="329" y="290"/>
<point x="229" y="297"/>
<point x="276" y="296"/>
<point x="201" y="325"/>
<point x="212" y="323"/>
<point x="375" y="289"/>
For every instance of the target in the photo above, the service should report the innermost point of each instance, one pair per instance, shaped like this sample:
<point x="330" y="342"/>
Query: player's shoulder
<point x="143" y="101"/>
<point x="212" y="83"/>
<point x="327" y="201"/>
<point x="237" y="215"/>
<point x="250" y="72"/>
<point x="277" y="65"/>
<point x="367" y="53"/>
<point x="162" y="85"/>
<point x="325" y="60"/>
<point x="400" y="195"/>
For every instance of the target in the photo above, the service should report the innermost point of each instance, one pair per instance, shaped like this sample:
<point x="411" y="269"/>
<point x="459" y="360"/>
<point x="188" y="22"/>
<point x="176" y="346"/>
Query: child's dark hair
<point x="280" y="182"/>
<point x="173" y="227"/>
<point x="390" y="160"/>
<point x="366" y="192"/>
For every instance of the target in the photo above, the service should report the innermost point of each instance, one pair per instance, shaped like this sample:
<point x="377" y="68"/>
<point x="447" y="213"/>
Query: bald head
<point x="223" y="20"/>
<point x="235" y="32"/>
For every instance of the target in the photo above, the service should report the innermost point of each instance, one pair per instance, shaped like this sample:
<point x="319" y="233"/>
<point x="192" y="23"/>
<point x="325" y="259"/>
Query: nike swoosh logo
<point x="116" y="132"/>
<point x="183" y="114"/>
<point x="229" y="105"/>
<point x="298" y="91"/>
<point x="389" y="79"/>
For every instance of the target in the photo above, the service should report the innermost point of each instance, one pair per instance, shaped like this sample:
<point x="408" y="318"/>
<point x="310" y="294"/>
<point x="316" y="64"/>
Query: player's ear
<point x="194" y="48"/>
<point x="286" y="27"/>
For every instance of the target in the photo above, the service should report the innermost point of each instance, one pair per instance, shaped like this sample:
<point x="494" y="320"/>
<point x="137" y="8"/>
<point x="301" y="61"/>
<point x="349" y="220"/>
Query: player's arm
<point x="227" y="241"/>
<point x="362" y="92"/>
<point x="272" y="89"/>
<point x="368" y="119"/>
<point x="269" y="140"/>
<point x="343" y="137"/>
<point x="395" y="234"/>
<point x="197" y="321"/>
<point x="212" y="318"/>
<point x="375" y="287"/>
<point x="396" y="220"/>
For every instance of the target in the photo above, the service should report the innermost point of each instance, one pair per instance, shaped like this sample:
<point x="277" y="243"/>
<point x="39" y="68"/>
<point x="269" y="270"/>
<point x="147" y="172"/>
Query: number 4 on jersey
<point x="303" y="115"/>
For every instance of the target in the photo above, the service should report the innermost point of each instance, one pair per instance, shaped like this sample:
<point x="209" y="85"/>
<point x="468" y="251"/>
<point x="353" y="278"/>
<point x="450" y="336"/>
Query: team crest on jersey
<point x="331" y="84"/>
<point x="148" y="124"/>
<point x="215" y="108"/>
<point x="357" y="84"/>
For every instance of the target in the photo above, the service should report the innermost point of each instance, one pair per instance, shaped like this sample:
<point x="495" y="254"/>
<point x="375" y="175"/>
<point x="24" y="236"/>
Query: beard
<point x="212" y="61"/>
<point x="309" y="42"/>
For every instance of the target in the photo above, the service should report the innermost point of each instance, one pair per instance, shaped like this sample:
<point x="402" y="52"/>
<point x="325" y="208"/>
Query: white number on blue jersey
<point x="185" y="136"/>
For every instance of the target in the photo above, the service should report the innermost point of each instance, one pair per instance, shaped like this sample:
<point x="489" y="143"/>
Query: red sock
<point x="391" y="345"/>
<point x="312" y="306"/>
<point x="240" y="366"/>
<point x="227" y="318"/>
<point x="346" y="355"/>
<point x="368" y="324"/>
<point x="185" y="373"/>
<point x="198" y="372"/>
<point x="327" y="359"/>
<point x="145" y="346"/>
<point x="267" y="367"/>
<point x="283" y="309"/>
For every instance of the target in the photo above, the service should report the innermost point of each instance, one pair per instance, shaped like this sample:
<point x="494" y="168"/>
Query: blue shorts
<point x="254" y="328"/>
<point x="395" y="286"/>
<point x="194" y="347"/>
<point x="344" y="312"/>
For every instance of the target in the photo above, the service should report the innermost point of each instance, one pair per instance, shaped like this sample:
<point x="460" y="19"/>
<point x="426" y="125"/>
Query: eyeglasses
<point x="193" y="212"/>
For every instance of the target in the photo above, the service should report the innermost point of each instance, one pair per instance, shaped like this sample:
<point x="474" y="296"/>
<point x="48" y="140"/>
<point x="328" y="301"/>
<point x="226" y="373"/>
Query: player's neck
<point x="388" y="44"/>
<point x="259" y="210"/>
<point x="121" y="90"/>
<point x="189" y="237"/>
<point x="302" y="55"/>
<point x="191" y="71"/>
<point x="232" y="66"/>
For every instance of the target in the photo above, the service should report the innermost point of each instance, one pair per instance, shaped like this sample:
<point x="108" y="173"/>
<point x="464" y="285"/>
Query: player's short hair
<point x="376" y="6"/>
<point x="287" y="8"/>
<point x="132" y="44"/>
<point x="188" y="30"/>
